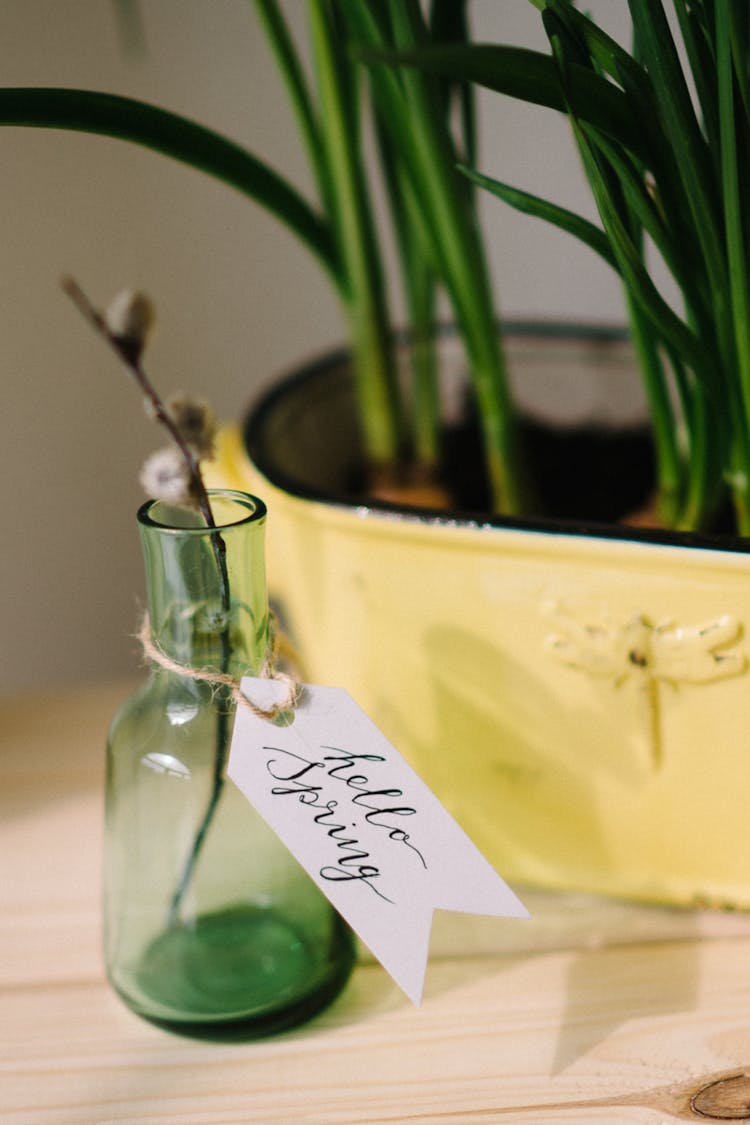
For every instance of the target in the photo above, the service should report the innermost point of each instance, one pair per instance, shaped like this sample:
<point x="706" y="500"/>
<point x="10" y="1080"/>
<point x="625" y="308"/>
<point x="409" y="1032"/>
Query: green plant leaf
<point x="459" y="252"/>
<point x="629" y="260"/>
<point x="419" y="133"/>
<point x="420" y="288"/>
<point x="733" y="217"/>
<point x="282" y="45"/>
<point x="560" y="217"/>
<point x="641" y="205"/>
<point x="740" y="40"/>
<point x="529" y="76"/>
<point x="702" y="61"/>
<point x="604" y="51"/>
<point x="178" y="137"/>
<point x="449" y="24"/>
<point x="352" y="221"/>
<point x="679" y="122"/>
<point x="669" y="467"/>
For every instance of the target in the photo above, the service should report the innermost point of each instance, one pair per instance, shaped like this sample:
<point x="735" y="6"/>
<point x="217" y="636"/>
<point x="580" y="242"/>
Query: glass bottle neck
<point x="206" y="587"/>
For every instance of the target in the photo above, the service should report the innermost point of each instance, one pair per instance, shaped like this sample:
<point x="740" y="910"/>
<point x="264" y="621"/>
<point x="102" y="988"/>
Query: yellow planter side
<point x="582" y="705"/>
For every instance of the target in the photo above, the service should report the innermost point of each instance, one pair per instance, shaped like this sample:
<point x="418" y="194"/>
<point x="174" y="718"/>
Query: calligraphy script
<point x="328" y="804"/>
<point x="363" y="825"/>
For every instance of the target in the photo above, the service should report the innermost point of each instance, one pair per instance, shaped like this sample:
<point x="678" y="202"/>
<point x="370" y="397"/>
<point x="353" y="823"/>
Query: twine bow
<point x="268" y="671"/>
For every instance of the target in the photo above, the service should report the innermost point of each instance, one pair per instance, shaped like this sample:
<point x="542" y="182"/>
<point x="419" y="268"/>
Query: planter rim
<point x="265" y="403"/>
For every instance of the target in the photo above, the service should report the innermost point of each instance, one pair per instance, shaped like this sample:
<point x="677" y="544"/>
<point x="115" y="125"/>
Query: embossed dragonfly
<point x="650" y="654"/>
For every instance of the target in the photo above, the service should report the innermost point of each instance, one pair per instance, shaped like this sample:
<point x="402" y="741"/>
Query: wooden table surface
<point x="593" y="1011"/>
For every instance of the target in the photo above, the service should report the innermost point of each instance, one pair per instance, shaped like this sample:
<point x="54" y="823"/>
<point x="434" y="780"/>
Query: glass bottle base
<point x="239" y="973"/>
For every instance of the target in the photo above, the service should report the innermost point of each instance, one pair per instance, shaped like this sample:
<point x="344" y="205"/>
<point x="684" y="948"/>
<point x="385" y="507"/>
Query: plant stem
<point x="290" y="68"/>
<point x="132" y="364"/>
<point x="408" y="106"/>
<point x="736" y="260"/>
<point x="668" y="467"/>
<point x="131" y="361"/>
<point x="353" y="228"/>
<point x="459" y="250"/>
<point x="420" y="285"/>
<point x="217" y="788"/>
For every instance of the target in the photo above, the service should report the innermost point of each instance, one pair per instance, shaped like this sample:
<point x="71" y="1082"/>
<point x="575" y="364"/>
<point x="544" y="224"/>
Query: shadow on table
<point x="593" y="991"/>
<point x="607" y="988"/>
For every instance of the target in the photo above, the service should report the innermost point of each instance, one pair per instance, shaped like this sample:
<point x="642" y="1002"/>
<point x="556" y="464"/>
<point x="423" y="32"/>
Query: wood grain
<point x="592" y="1011"/>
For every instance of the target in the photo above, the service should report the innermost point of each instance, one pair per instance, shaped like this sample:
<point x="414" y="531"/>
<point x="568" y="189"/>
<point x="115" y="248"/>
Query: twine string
<point x="268" y="671"/>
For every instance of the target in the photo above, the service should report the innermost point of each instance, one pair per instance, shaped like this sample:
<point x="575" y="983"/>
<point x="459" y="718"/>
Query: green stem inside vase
<point x="221" y="753"/>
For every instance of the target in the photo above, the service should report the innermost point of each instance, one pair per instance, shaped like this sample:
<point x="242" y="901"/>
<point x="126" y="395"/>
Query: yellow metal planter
<point x="580" y="702"/>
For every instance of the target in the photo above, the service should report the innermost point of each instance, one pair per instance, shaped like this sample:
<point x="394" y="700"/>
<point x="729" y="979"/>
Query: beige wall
<point x="238" y="299"/>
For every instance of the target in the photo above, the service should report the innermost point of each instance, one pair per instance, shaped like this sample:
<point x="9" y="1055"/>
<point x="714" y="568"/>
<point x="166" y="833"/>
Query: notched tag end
<point x="376" y="841"/>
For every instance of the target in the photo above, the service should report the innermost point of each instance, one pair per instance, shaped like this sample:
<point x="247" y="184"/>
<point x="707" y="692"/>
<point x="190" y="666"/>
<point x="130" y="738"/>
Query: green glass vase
<point x="211" y="927"/>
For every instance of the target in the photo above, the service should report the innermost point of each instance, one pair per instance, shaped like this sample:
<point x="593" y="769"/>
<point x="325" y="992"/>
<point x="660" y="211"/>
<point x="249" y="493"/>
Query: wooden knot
<point x="724" y="1099"/>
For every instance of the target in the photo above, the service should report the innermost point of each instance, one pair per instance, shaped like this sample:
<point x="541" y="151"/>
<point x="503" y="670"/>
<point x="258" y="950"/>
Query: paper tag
<point x="363" y="825"/>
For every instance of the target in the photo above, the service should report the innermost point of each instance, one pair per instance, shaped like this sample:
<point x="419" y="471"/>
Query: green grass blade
<point x="625" y="209"/>
<point x="631" y="266"/>
<point x="459" y="251"/>
<point x="702" y="64"/>
<point x="529" y="76"/>
<point x="290" y="68"/>
<point x="449" y="24"/>
<point x="177" y="137"/>
<point x="740" y="40"/>
<point x="664" y="167"/>
<point x="352" y="220"/>
<point x="419" y="133"/>
<point x="565" y="220"/>
<point x="605" y="52"/>
<point x="669" y="467"/>
<point x="419" y="284"/>
<point x="642" y="206"/>
<point x="680" y="124"/>
<point x="735" y="241"/>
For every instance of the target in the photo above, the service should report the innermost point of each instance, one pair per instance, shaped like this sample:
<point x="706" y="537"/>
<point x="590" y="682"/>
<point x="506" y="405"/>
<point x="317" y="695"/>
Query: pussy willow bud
<point x="196" y="422"/>
<point x="165" y="476"/>
<point x="129" y="317"/>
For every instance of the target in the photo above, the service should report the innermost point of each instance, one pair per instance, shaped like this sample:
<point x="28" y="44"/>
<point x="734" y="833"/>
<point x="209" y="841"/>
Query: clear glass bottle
<point x="211" y="926"/>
